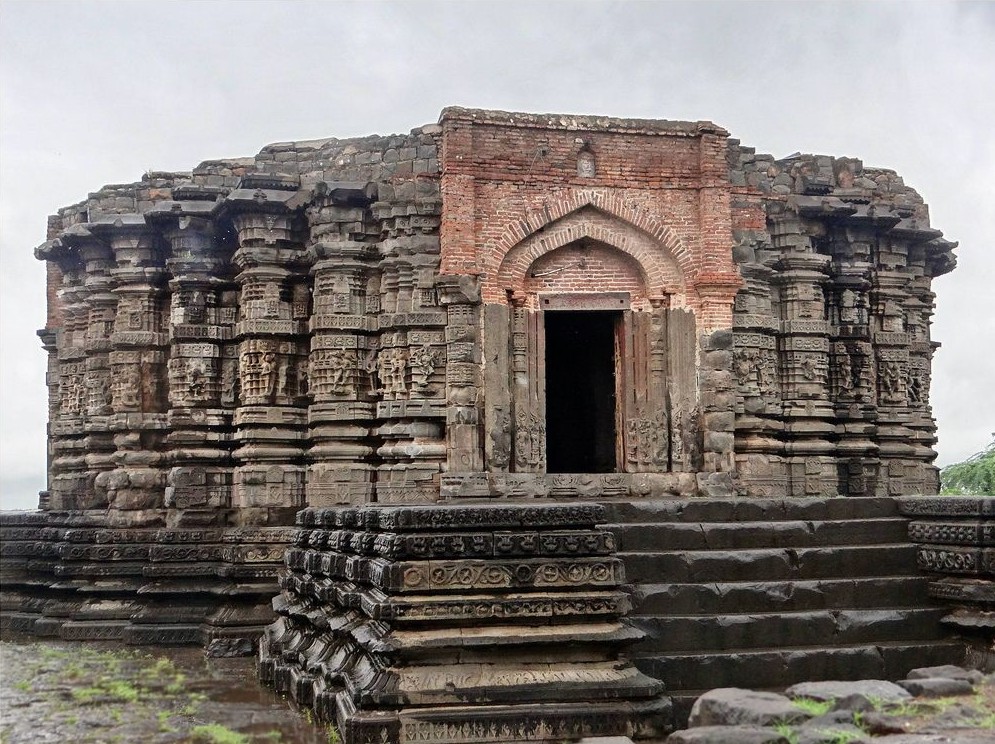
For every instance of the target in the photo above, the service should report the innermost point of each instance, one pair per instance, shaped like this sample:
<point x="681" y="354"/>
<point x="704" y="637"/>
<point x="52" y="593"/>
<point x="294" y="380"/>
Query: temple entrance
<point x="580" y="361"/>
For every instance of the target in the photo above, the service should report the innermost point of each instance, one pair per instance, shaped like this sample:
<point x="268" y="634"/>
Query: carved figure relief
<point x="265" y="371"/>
<point x="756" y="371"/>
<point x="767" y="373"/>
<point x="303" y="381"/>
<point x="843" y="374"/>
<point x="530" y="442"/>
<point x="917" y="386"/>
<point x="230" y="382"/>
<point x="684" y="425"/>
<point x="330" y="372"/>
<point x="647" y="440"/>
<point x="500" y="436"/>
<point x="809" y="368"/>
<point x="197" y="377"/>
<point x="391" y="366"/>
<point x="891" y="383"/>
<point x="423" y="361"/>
<point x="745" y="366"/>
<point x="369" y="365"/>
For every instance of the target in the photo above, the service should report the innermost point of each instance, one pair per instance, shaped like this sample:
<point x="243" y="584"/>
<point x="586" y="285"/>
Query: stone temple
<point x="505" y="372"/>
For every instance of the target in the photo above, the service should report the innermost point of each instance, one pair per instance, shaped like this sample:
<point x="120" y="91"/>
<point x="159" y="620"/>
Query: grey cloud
<point x="100" y="92"/>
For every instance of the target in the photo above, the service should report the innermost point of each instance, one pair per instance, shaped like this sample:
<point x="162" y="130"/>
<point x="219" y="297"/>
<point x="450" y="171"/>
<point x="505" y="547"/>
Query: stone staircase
<point x="765" y="593"/>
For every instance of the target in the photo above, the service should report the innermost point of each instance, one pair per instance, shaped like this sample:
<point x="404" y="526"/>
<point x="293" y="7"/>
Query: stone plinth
<point x="956" y="538"/>
<point x="72" y="575"/>
<point x="470" y="623"/>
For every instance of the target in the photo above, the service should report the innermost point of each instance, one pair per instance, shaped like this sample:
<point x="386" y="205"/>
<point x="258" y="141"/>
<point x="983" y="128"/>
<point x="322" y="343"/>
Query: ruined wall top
<point x="382" y="300"/>
<point x="580" y="123"/>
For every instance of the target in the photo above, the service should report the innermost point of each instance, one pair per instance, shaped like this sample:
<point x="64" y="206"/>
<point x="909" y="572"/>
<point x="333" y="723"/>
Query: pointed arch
<point x="661" y="272"/>
<point x="535" y="221"/>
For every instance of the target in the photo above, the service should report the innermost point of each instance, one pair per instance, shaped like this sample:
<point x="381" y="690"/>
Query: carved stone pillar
<point x="645" y="407"/>
<point x="901" y="304"/>
<point x="342" y="383"/>
<point x="102" y="311"/>
<point x="137" y="367"/>
<point x="199" y="480"/>
<point x="411" y="360"/>
<point x="528" y="389"/>
<point x="48" y="342"/>
<point x="70" y="483"/>
<point x="804" y="348"/>
<point x="460" y="295"/>
<point x="891" y="364"/>
<point x="268" y="483"/>
<point x="919" y="310"/>
<point x="759" y="427"/>
<point x="851" y="378"/>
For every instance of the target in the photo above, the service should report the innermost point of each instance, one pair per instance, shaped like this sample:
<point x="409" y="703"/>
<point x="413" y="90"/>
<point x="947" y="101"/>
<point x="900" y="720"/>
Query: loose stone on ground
<point x="937" y="704"/>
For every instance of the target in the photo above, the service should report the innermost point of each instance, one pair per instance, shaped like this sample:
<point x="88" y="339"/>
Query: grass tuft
<point x="215" y="733"/>
<point x="813" y="707"/>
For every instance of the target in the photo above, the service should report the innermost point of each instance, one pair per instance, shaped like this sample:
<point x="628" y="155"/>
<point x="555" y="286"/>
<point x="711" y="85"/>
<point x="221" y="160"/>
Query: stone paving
<point x="106" y="693"/>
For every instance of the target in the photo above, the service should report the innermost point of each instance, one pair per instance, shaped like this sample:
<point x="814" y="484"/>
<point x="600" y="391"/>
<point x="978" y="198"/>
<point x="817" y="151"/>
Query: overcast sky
<point x="100" y="92"/>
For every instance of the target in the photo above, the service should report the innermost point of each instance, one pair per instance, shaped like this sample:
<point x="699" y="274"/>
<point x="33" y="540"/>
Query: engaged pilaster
<point x="411" y="359"/>
<point x="200" y="476"/>
<point x="268" y="483"/>
<point x="139" y="349"/>
<point x="804" y="345"/>
<point x="341" y="372"/>
<point x="70" y="483"/>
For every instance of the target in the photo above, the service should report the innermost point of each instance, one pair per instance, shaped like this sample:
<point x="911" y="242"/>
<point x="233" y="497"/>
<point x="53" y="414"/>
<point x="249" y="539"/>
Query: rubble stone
<point x="731" y="706"/>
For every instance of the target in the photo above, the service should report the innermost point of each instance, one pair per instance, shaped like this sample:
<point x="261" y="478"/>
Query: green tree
<point x="973" y="477"/>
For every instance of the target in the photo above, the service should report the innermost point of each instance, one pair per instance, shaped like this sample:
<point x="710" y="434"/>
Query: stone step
<point x="725" y="633"/>
<point x="721" y="598"/>
<point x="651" y="537"/>
<point x="655" y="511"/>
<point x="769" y="564"/>
<point x="780" y="668"/>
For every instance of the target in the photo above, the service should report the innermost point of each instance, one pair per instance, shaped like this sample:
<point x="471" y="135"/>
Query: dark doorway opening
<point x="580" y="391"/>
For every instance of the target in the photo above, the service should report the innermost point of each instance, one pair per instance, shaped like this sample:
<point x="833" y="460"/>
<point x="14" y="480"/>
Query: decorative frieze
<point x="956" y="548"/>
<point x="365" y="666"/>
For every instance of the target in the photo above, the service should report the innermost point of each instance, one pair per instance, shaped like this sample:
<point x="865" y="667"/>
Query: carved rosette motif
<point x="956" y="549"/>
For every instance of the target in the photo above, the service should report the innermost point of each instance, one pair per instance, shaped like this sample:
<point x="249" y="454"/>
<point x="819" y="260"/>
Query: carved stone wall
<point x="227" y="346"/>
<point x="466" y="623"/>
<point x="831" y="331"/>
<point x="350" y="322"/>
